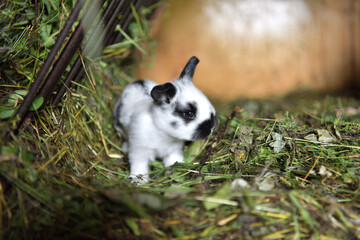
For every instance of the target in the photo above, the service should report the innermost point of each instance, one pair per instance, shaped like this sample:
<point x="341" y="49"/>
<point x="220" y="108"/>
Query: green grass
<point x="64" y="175"/>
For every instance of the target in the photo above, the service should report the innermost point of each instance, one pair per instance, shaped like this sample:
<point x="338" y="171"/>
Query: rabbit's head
<point x="181" y="110"/>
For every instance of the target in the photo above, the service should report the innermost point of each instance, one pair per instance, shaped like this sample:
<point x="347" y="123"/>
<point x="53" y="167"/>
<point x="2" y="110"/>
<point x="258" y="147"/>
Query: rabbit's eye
<point x="187" y="112"/>
<point x="189" y="115"/>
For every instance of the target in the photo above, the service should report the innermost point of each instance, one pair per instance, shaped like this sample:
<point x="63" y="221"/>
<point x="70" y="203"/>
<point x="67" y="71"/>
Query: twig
<point x="220" y="134"/>
<point x="322" y="143"/>
<point x="62" y="62"/>
<point x="109" y="20"/>
<point x="75" y="70"/>
<point x="44" y="70"/>
<point x="312" y="168"/>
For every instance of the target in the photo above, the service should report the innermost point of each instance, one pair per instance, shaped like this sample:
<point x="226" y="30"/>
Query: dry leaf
<point x="278" y="144"/>
<point x="266" y="185"/>
<point x="239" y="185"/>
<point x="325" y="136"/>
<point x="311" y="137"/>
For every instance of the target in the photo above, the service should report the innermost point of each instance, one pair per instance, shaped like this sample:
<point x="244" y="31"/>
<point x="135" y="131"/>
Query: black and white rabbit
<point x="155" y="120"/>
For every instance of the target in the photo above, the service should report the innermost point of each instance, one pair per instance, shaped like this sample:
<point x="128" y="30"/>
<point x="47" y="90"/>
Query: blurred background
<point x="258" y="48"/>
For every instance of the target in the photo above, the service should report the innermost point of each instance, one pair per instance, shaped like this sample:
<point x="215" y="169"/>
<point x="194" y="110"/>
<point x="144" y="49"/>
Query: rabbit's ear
<point x="189" y="69"/>
<point x="163" y="93"/>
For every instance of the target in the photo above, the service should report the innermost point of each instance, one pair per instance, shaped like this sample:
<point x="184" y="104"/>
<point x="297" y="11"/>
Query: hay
<point x="64" y="175"/>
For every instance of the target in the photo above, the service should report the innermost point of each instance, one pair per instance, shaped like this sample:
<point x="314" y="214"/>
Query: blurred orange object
<point x="259" y="48"/>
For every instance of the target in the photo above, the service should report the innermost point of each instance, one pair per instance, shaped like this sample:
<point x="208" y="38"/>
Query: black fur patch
<point x="118" y="124"/>
<point x="140" y="82"/>
<point x="187" y="113"/>
<point x="204" y="129"/>
<point x="163" y="93"/>
<point x="189" y="68"/>
<point x="174" y="124"/>
<point x="117" y="115"/>
<point x="117" y="110"/>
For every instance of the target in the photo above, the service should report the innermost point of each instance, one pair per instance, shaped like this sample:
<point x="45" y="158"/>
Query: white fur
<point x="153" y="131"/>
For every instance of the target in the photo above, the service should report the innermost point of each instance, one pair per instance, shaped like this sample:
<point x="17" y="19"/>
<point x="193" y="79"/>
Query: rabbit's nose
<point x="205" y="128"/>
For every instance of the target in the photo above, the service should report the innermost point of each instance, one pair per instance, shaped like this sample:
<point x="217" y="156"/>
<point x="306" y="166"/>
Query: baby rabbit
<point x="155" y="120"/>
